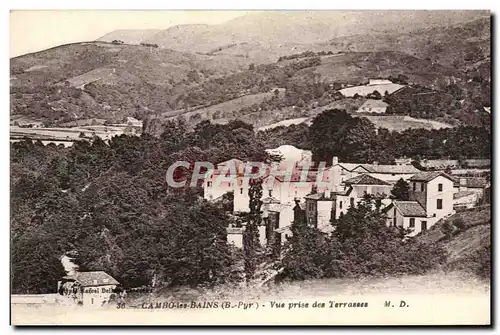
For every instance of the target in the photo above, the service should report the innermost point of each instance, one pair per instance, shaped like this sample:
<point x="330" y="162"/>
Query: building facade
<point x="431" y="199"/>
<point x="90" y="289"/>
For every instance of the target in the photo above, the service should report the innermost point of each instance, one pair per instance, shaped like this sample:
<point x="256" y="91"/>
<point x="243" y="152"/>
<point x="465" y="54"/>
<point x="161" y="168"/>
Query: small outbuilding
<point x="93" y="288"/>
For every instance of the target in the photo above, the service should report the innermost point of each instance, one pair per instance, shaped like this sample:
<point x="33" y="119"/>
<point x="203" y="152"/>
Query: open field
<point x="400" y="123"/>
<point x="226" y="110"/>
<point x="368" y="89"/>
<point x="391" y="122"/>
<point x="284" y="123"/>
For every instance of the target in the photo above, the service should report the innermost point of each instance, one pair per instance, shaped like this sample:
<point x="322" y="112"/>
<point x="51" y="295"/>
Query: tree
<point x="251" y="234"/>
<point x="307" y="251"/>
<point x="401" y="190"/>
<point x="336" y="133"/>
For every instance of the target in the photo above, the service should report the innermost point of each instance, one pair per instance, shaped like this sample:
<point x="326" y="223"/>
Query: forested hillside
<point x="110" y="205"/>
<point x="114" y="80"/>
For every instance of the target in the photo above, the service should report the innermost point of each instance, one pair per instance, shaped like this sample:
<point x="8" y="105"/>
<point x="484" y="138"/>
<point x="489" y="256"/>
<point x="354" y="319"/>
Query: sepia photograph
<point x="230" y="167"/>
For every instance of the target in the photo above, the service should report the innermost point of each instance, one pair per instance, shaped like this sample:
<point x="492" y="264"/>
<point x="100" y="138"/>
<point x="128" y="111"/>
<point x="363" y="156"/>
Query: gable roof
<point x="439" y="163"/>
<point x="348" y="166"/>
<point x="270" y="200"/>
<point x="321" y="196"/>
<point x="477" y="162"/>
<point x="463" y="194"/>
<point x="93" y="278"/>
<point x="396" y="169"/>
<point x="314" y="196"/>
<point x="430" y="175"/>
<point x="365" y="179"/>
<point x="409" y="208"/>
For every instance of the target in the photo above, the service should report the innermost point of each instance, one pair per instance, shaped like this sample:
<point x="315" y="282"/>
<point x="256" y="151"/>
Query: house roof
<point x="348" y="166"/>
<point x="314" y="196"/>
<point x="270" y="200"/>
<point x="365" y="179"/>
<point x="409" y="208"/>
<point x="439" y="163"/>
<point x="396" y="169"/>
<point x="235" y="230"/>
<point x="430" y="175"/>
<point x="463" y="194"/>
<point x="93" y="278"/>
<point x="477" y="162"/>
<point x="285" y="229"/>
<point x="320" y="196"/>
<point x="471" y="182"/>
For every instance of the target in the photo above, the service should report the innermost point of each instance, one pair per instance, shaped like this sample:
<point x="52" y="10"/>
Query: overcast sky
<point x="32" y="31"/>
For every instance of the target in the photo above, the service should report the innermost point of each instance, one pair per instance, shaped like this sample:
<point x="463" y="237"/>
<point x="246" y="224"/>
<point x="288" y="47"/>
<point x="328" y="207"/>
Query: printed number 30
<point x="120" y="305"/>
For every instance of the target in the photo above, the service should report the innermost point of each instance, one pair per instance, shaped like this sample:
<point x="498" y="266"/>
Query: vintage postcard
<point x="250" y="168"/>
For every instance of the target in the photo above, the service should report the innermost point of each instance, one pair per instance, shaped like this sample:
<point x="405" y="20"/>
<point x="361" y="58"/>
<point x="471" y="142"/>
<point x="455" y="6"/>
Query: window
<point x="394" y="221"/>
<point x="340" y="205"/>
<point x="424" y="225"/>
<point x="209" y="184"/>
<point x="422" y="187"/>
<point x="440" y="187"/>
<point x="414" y="186"/>
<point x="270" y="193"/>
<point x="412" y="222"/>
<point x="352" y="202"/>
<point x="241" y="190"/>
<point x="439" y="204"/>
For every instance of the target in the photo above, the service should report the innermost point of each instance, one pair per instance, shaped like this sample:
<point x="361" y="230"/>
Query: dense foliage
<point x="110" y="205"/>
<point x="361" y="245"/>
<point x="355" y="140"/>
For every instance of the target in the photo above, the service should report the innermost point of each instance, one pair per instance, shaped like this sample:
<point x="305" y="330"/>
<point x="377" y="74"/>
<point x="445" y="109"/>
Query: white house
<point x="431" y="193"/>
<point x="356" y="188"/>
<point x="92" y="288"/>
<point x="215" y="185"/>
<point x="321" y="209"/>
<point x="409" y="215"/>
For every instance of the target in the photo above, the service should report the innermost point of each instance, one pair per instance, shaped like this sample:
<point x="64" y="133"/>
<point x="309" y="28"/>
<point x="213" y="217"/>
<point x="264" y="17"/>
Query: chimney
<point x="335" y="160"/>
<point x="327" y="194"/>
